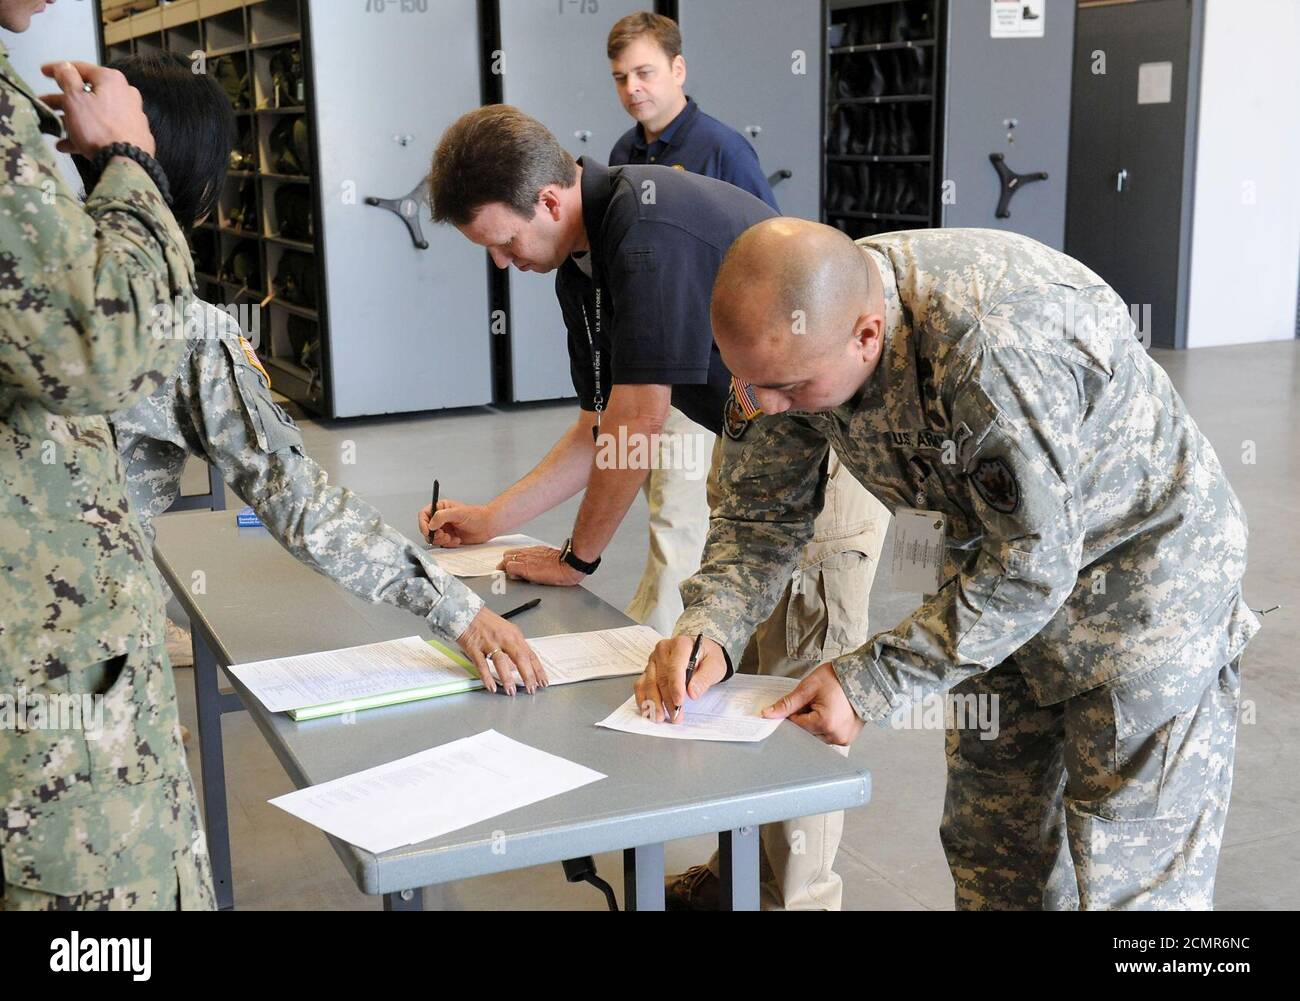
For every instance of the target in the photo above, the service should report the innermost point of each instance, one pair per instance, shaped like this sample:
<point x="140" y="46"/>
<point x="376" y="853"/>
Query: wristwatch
<point x="567" y="556"/>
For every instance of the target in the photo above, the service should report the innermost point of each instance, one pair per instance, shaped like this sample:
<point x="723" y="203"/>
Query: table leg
<point x="738" y="865"/>
<point x="404" y="900"/>
<point x="212" y="768"/>
<point x="643" y="878"/>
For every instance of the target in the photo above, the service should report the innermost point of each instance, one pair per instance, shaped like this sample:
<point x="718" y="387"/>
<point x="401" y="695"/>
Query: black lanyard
<point x="595" y="358"/>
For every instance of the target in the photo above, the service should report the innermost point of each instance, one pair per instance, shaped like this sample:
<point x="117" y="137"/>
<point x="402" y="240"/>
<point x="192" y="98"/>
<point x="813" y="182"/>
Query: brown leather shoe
<point x="696" y="889"/>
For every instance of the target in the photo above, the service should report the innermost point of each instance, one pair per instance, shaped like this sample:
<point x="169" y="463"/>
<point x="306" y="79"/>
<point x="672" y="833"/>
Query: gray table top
<point x="258" y="602"/>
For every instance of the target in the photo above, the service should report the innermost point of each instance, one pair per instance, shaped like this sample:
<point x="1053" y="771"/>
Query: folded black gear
<point x="243" y="265"/>
<point x="295" y="278"/>
<point x="294" y="212"/>
<point x="290" y="146"/>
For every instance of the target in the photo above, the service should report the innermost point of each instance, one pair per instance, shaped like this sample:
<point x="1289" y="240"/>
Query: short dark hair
<point x="495" y="154"/>
<point x="193" y="128"/>
<point x="664" y="30"/>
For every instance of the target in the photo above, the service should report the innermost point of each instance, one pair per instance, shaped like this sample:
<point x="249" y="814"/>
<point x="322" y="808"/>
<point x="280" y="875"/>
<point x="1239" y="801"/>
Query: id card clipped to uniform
<point x="917" y="563"/>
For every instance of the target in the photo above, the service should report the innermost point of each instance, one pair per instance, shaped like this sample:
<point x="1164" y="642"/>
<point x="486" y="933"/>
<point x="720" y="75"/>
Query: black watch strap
<point x="151" y="166"/>
<point x="581" y="566"/>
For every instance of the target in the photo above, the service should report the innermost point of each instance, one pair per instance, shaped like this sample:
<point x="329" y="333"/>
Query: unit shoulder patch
<point x="997" y="484"/>
<point x="734" y="421"/>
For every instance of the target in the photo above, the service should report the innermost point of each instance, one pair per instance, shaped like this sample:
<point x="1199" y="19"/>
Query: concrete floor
<point x="891" y="858"/>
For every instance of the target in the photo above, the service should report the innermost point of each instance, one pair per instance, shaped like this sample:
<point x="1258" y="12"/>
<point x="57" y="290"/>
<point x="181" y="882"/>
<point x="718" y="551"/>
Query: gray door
<point x="1128" y="146"/>
<point x="556" y="71"/>
<point x="767" y="86"/>
<point x="1009" y="96"/>
<point x="408" y="328"/>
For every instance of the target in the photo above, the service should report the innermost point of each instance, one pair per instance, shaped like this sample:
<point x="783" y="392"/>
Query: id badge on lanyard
<point x="595" y="359"/>
<point x="917" y="564"/>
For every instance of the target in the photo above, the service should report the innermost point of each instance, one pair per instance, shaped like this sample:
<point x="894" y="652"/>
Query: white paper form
<point x="318" y="679"/>
<point x="481" y="560"/>
<point x="434" y="792"/>
<point x="729" y="711"/>
<point x="606" y="653"/>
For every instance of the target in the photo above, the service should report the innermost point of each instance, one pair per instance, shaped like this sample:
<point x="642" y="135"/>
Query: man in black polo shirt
<point x="637" y="249"/>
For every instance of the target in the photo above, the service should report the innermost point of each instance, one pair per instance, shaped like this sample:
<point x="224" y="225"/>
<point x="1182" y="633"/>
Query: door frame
<point x="1191" y="133"/>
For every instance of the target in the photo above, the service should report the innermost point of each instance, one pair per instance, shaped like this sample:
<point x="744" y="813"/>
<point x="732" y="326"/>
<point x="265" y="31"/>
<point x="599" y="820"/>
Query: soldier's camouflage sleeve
<point x="771" y="489"/>
<point x="220" y="408"/>
<point x="1023" y="411"/>
<point x="81" y="286"/>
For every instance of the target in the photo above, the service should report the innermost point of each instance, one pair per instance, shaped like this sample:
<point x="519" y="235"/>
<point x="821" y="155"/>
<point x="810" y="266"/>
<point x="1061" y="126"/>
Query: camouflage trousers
<point x="1111" y="800"/>
<point x="101" y="814"/>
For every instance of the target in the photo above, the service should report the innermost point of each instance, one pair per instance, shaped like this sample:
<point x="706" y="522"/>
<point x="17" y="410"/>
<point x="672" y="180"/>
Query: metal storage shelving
<point x="251" y="32"/>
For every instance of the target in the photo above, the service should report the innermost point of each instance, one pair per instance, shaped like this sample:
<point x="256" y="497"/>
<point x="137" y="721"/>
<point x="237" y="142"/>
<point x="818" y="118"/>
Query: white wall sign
<point x="1155" y="83"/>
<point x="1018" y="18"/>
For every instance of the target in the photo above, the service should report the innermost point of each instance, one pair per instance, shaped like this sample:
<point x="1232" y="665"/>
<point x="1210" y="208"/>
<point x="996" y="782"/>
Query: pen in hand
<point x="690" y="670"/>
<point x="432" y="511"/>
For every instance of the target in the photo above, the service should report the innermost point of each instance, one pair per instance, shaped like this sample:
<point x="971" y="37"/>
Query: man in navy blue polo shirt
<point x="645" y="57"/>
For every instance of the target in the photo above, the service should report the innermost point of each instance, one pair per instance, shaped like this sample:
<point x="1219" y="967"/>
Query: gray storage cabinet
<point x="408" y="328"/>
<point x="1009" y="96"/>
<point x="555" y="70"/>
<point x="757" y="65"/>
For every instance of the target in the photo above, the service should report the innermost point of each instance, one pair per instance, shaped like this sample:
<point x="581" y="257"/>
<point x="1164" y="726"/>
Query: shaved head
<point x="788" y="276"/>
<point x="793" y="298"/>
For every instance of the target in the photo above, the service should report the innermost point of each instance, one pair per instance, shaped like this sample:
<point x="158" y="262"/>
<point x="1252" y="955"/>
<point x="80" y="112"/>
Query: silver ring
<point x="492" y="654"/>
<point x="89" y="88"/>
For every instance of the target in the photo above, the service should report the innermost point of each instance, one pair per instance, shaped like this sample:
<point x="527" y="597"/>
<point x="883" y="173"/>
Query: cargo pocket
<point x="826" y="616"/>
<point x="100" y="852"/>
<point x="1129" y="864"/>
<point x="280" y="430"/>
<point x="1164" y="747"/>
<point x="133" y="736"/>
<point x="272" y="428"/>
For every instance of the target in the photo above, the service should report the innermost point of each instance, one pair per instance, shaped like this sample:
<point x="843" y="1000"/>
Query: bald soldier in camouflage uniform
<point x="1094" y="548"/>
<point x="218" y="406"/>
<point x="96" y="813"/>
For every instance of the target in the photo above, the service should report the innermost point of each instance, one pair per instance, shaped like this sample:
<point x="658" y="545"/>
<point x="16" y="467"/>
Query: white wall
<point x="1246" y="217"/>
<point x="64" y="30"/>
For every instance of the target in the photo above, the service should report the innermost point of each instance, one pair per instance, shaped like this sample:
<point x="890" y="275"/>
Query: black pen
<point x="690" y="668"/>
<point x="432" y="511"/>
<point x="525" y="607"/>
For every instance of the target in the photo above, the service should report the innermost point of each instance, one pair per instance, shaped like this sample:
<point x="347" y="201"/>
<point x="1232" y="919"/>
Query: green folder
<point x="471" y="683"/>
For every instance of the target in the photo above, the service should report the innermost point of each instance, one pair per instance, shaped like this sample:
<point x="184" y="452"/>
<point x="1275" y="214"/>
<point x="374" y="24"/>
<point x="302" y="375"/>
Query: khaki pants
<point x="679" y="521"/>
<point x="821" y="615"/>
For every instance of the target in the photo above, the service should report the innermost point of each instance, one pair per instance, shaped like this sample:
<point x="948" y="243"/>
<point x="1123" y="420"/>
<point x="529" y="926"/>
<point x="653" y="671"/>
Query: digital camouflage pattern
<point x="1088" y="803"/>
<point x="218" y="406"/>
<point x="77" y="286"/>
<point x="105" y="818"/>
<point x="85" y="820"/>
<point x="1092" y="535"/>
